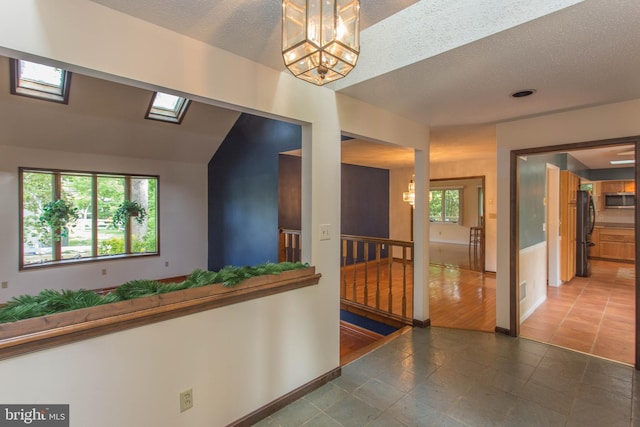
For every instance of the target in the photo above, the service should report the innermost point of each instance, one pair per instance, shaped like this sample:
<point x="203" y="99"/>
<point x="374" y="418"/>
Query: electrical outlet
<point x="166" y="263"/>
<point x="104" y="272"/>
<point x="5" y="285"/>
<point x="186" y="400"/>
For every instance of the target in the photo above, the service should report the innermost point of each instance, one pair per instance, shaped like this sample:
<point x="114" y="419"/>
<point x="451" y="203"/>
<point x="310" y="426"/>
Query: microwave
<point x="619" y="200"/>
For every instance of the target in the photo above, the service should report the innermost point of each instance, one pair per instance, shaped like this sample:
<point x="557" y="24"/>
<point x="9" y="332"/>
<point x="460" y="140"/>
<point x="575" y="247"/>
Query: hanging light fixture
<point x="320" y="38"/>
<point x="410" y="196"/>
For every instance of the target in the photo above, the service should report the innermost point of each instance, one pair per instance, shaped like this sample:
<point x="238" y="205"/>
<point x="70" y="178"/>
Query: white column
<point x="421" y="239"/>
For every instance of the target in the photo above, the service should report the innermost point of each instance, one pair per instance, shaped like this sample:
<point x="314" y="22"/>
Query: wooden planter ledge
<point x="38" y="333"/>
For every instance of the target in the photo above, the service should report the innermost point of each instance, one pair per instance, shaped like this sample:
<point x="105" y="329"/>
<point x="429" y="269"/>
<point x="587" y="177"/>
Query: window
<point x="445" y="205"/>
<point x="92" y="203"/>
<point x="167" y="108"/>
<point x="39" y="81"/>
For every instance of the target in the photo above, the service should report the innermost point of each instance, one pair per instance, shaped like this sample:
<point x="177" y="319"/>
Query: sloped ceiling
<point x="103" y="117"/>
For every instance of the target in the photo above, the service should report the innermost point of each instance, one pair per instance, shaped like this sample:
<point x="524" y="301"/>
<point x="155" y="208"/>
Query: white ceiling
<point x="457" y="66"/>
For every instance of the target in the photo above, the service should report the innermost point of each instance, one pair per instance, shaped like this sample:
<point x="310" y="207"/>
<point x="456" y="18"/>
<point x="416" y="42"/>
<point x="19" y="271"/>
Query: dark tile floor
<point x="449" y="377"/>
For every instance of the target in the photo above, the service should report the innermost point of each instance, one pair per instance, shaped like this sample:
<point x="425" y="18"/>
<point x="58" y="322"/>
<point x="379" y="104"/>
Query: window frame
<point x="177" y="116"/>
<point x="58" y="173"/>
<point x="442" y="190"/>
<point x="17" y="89"/>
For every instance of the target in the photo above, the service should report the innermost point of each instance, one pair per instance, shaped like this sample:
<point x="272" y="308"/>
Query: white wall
<point x="481" y="167"/>
<point x="588" y="124"/>
<point x="399" y="210"/>
<point x="237" y="358"/>
<point x="533" y="271"/>
<point x="183" y="217"/>
<point x="457" y="233"/>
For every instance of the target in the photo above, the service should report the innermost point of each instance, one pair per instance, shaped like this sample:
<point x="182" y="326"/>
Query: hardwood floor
<point x="595" y="315"/>
<point x="462" y="299"/>
<point x="453" y="255"/>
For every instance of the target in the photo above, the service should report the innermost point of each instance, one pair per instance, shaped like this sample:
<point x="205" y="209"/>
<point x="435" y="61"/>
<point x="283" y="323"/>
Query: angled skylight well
<point x="40" y="81"/>
<point x="167" y="108"/>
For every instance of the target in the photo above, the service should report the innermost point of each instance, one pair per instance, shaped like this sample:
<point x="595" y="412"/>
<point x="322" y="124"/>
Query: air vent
<point x="523" y="290"/>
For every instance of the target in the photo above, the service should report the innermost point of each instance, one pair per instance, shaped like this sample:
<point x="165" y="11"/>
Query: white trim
<point x="533" y="308"/>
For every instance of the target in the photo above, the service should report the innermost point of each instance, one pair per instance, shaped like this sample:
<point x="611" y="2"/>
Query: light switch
<point x="324" y="232"/>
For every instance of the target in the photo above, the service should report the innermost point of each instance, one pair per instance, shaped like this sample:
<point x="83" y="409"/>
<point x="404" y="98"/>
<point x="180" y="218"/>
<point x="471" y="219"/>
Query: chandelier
<point x="320" y="38"/>
<point x="410" y="196"/>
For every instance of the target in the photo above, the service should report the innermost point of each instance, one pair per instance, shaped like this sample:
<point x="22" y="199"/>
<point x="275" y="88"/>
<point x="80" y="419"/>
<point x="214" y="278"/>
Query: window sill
<point x="74" y="261"/>
<point x="44" y="332"/>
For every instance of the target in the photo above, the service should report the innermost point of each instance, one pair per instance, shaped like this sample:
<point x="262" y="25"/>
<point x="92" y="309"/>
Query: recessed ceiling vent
<point x="523" y="93"/>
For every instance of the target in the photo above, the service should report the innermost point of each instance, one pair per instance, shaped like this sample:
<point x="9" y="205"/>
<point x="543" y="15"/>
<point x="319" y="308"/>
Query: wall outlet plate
<point x="186" y="400"/>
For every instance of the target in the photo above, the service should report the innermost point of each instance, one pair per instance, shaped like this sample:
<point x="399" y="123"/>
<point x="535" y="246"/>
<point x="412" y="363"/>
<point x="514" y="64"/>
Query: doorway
<point x="593" y="306"/>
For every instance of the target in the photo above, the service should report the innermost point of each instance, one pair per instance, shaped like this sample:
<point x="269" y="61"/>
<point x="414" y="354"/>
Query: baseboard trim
<point x="503" y="331"/>
<point x="421" y="323"/>
<point x="281" y="402"/>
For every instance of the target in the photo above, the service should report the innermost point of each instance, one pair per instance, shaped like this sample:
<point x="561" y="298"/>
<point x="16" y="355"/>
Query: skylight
<point x="39" y="81"/>
<point x="168" y="108"/>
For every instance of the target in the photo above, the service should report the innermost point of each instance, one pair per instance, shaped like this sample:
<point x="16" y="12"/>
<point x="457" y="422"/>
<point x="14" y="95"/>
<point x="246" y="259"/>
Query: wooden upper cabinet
<point x="612" y="186"/>
<point x="618" y="187"/>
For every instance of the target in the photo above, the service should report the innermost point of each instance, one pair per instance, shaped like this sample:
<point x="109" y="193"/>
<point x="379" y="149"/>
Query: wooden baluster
<point x="366" y="273"/>
<point x="404" y="282"/>
<point x="343" y="294"/>
<point x="390" y="262"/>
<point x="287" y="236"/>
<point x="293" y="247"/>
<point x="354" y="258"/>
<point x="378" y="276"/>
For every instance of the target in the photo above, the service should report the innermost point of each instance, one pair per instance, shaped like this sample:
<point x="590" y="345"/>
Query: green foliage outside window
<point x="92" y="201"/>
<point x="445" y="206"/>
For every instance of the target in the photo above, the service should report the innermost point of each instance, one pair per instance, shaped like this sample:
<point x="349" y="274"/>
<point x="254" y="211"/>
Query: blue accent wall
<point x="614" y="174"/>
<point x="243" y="191"/>
<point x="290" y="193"/>
<point x="533" y="183"/>
<point x="364" y="201"/>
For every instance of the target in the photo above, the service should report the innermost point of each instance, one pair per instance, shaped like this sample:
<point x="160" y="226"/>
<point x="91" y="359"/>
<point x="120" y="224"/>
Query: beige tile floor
<point x="595" y="314"/>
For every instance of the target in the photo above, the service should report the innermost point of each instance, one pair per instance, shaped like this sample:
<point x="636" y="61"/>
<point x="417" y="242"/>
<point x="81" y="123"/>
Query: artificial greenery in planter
<point x="51" y="301"/>
<point x="56" y="218"/>
<point x="126" y="210"/>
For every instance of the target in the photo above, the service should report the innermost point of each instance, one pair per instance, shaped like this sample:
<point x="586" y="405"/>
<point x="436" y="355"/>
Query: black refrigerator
<point x="585" y="221"/>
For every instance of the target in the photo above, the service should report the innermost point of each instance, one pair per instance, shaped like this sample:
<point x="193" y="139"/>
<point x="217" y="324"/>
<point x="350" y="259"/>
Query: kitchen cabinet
<point x="618" y="186"/>
<point x="594" y="251"/>
<point x="569" y="185"/>
<point x="614" y="243"/>
<point x="629" y="186"/>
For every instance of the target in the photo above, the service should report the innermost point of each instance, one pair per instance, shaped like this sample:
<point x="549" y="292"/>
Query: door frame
<point x="552" y="223"/>
<point x="514" y="240"/>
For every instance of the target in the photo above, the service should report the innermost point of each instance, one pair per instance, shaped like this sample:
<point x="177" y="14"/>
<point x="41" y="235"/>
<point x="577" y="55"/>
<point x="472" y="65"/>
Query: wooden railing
<point x="376" y="275"/>
<point x="290" y="250"/>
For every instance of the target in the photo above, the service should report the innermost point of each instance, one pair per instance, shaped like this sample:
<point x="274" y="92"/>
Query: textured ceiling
<point x="249" y="28"/>
<point x="445" y="63"/>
